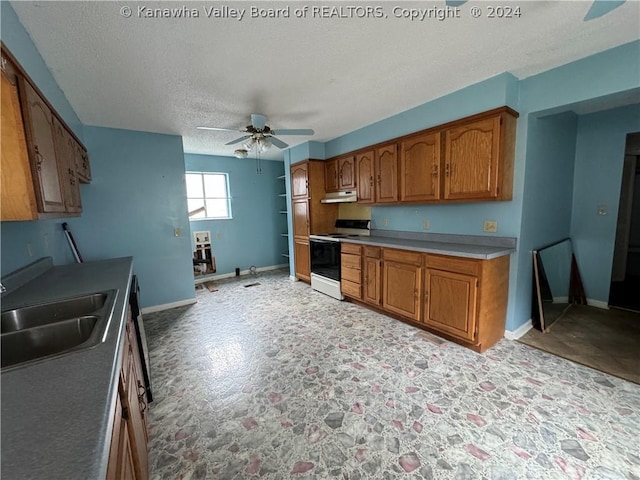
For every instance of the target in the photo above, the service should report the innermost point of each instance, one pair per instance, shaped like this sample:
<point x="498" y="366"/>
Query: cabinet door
<point x="40" y="142"/>
<point x="83" y="169"/>
<point x="471" y="160"/>
<point x="121" y="463"/>
<point x="137" y="436"/>
<point x="301" y="218"/>
<point x="371" y="286"/>
<point x="450" y="303"/>
<point x="402" y="289"/>
<point x="302" y="258"/>
<point x="346" y="173"/>
<point x="299" y="180"/>
<point x="18" y="195"/>
<point x="65" y="154"/>
<point x="387" y="174"/>
<point x="331" y="175"/>
<point x="365" y="177"/>
<point x="419" y="168"/>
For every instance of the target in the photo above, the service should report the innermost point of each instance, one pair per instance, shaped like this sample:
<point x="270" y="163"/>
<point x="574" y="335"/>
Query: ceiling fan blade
<point x="258" y="121"/>
<point x="277" y="142"/>
<point x="216" y="129"/>
<point x="293" y="131"/>
<point x="601" y="7"/>
<point x="238" y="140"/>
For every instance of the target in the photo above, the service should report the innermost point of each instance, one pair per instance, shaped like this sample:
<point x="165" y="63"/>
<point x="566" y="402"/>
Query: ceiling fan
<point x="260" y="135"/>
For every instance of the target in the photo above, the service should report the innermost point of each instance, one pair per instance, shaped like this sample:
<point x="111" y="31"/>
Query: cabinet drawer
<point x="351" y="274"/>
<point x="469" y="266"/>
<point x="351" y="248"/>
<point x="402" y="256"/>
<point x="350" y="289"/>
<point x="350" y="261"/>
<point x="371" y="252"/>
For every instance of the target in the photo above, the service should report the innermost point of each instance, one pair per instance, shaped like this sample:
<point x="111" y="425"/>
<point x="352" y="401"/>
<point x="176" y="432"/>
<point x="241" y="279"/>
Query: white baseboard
<point x="167" y="306"/>
<point x="210" y="278"/>
<point x="293" y="278"/>
<point x="597" y="303"/>
<point x="518" y="332"/>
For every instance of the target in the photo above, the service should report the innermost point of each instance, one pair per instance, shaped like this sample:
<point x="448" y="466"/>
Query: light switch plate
<point x="425" y="224"/>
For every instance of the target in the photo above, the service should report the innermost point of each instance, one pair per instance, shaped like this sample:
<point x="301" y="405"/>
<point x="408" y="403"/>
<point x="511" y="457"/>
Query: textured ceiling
<point x="333" y="75"/>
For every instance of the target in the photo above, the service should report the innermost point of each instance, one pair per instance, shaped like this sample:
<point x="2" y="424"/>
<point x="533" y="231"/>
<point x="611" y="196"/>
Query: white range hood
<point x="349" y="196"/>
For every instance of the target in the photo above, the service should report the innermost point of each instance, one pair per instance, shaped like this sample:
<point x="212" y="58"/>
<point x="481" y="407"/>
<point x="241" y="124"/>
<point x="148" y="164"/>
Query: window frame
<point x="204" y="198"/>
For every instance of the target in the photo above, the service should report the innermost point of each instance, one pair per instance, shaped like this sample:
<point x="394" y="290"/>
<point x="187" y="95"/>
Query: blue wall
<point x="135" y="200"/>
<point x="600" y="149"/>
<point x="253" y="235"/>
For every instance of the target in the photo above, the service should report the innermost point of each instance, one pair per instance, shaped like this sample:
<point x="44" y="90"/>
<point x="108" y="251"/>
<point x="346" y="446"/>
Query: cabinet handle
<point x="378" y="179"/>
<point x="141" y="399"/>
<point x="39" y="158"/>
<point x="447" y="170"/>
<point x="371" y="181"/>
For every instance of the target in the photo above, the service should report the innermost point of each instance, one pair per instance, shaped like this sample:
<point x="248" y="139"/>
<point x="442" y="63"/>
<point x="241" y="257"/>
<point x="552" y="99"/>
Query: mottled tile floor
<point x="277" y="381"/>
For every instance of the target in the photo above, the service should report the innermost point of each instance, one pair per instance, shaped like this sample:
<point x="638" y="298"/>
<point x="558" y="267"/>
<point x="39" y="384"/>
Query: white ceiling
<point x="333" y="75"/>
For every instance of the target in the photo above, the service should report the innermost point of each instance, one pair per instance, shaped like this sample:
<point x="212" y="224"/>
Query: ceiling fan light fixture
<point x="241" y="153"/>
<point x="248" y="145"/>
<point x="264" y="144"/>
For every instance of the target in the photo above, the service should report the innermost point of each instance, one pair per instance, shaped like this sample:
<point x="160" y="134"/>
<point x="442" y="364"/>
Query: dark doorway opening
<point x="625" y="276"/>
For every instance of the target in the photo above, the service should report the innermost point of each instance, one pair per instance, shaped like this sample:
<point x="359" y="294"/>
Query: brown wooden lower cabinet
<point x="371" y="275"/>
<point x="402" y="282"/>
<point x="302" y="259"/>
<point x="351" y="270"/>
<point x="464" y="299"/>
<point x="128" y="457"/>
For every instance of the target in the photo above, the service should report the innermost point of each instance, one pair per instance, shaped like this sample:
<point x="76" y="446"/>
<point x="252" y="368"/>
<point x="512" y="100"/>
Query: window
<point x="208" y="195"/>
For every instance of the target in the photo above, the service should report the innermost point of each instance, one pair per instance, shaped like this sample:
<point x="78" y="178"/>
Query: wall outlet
<point x="218" y="235"/>
<point x="603" y="210"/>
<point x="177" y="232"/>
<point x="425" y="224"/>
<point x="385" y="222"/>
<point x="490" y="226"/>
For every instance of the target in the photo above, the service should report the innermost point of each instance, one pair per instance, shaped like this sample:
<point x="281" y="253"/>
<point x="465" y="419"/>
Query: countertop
<point x="468" y="246"/>
<point x="57" y="414"/>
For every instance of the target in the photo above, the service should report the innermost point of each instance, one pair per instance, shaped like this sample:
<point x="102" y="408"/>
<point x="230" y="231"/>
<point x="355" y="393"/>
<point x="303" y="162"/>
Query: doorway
<point x="625" y="273"/>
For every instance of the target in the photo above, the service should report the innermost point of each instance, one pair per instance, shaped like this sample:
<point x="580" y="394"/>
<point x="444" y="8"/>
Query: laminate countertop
<point x="57" y="414"/>
<point x="467" y="246"/>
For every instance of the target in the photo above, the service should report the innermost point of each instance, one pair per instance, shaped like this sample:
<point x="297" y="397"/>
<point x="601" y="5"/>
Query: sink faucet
<point x="2" y="288"/>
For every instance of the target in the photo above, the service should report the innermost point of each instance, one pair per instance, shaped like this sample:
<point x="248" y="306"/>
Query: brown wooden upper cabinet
<point x="340" y="174"/>
<point x="466" y="160"/>
<point x="299" y="180"/>
<point x="346" y="173"/>
<point x="39" y="132"/>
<point x="42" y="161"/>
<point x="18" y="193"/>
<point x="472" y="160"/>
<point x="420" y="168"/>
<point x="387" y="174"/>
<point x="331" y="175"/>
<point x="365" y="184"/>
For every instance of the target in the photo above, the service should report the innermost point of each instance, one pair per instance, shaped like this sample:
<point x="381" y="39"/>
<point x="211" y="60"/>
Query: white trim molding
<point x="210" y="278"/>
<point x="597" y="303"/>
<point x="518" y="332"/>
<point x="168" y="306"/>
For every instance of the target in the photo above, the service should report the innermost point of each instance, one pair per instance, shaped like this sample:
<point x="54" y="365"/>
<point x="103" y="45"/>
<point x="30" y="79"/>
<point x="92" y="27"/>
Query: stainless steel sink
<point x="43" y="331"/>
<point x="38" y="315"/>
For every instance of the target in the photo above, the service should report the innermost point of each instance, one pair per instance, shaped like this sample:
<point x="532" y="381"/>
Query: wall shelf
<point x="285" y="236"/>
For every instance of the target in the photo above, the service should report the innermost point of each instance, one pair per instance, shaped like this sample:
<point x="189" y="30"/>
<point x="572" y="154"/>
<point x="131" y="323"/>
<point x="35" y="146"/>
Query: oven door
<point x="325" y="258"/>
